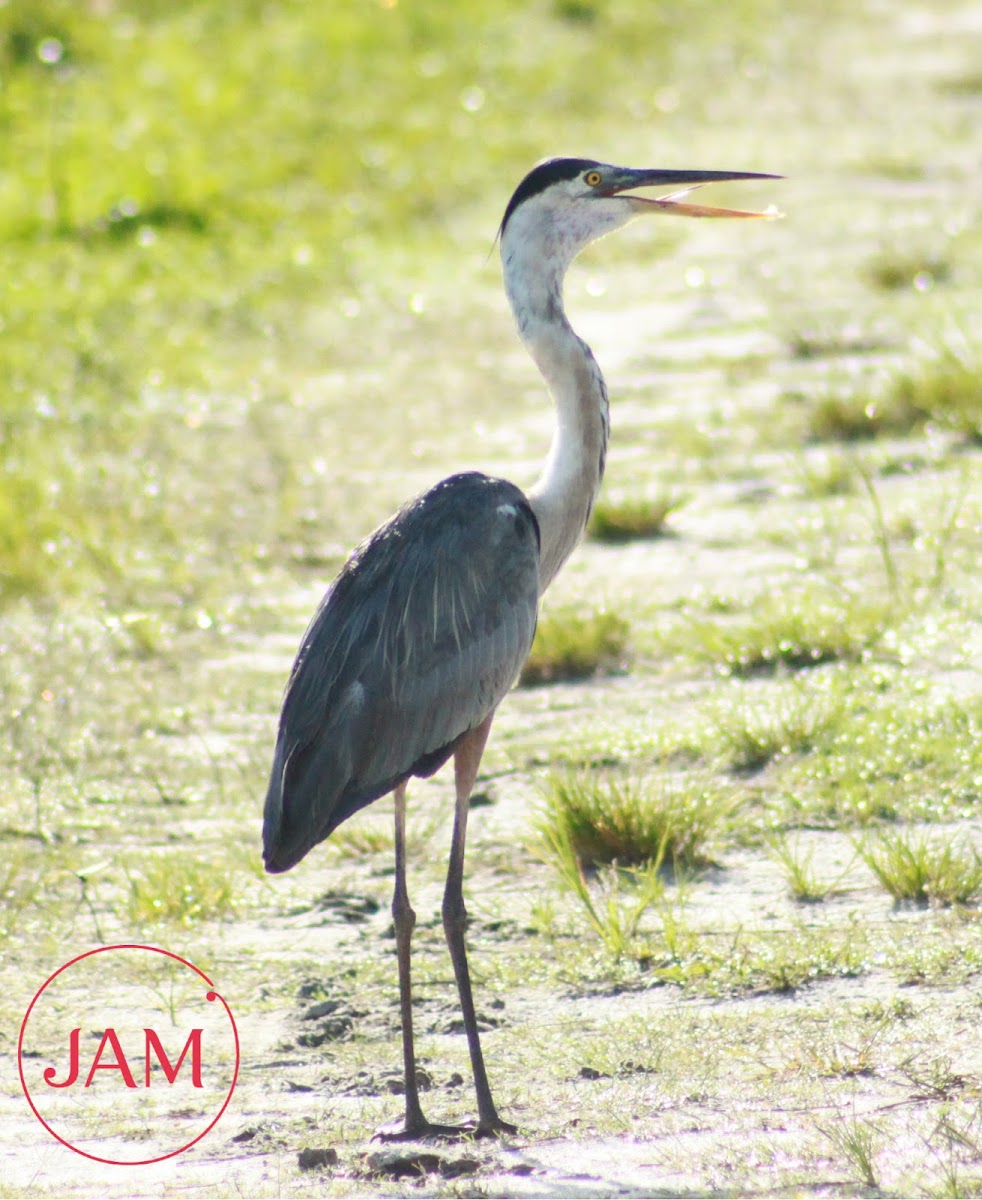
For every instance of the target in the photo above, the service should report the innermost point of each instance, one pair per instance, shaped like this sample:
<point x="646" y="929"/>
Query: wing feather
<point x="415" y="643"/>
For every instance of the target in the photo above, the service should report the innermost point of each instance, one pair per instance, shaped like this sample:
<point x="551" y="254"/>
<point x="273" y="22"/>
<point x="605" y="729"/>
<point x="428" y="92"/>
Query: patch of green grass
<point x="193" y="193"/>
<point x="790" y="630"/>
<point x="851" y="414"/>
<point x="828" y="474"/>
<point x="924" y="870"/>
<point x="888" y="759"/>
<point x="616" y="900"/>
<point x="179" y="887"/>
<point x="633" y="517"/>
<point x="895" y="167"/>
<point x="781" y="961"/>
<point x="22" y="880"/>
<point x="947" y="952"/>
<point x="968" y="83"/>
<point x="808" y="344"/>
<point x="29" y="533"/>
<point x="896" y="270"/>
<point x="571" y="644"/>
<point x="947" y="389"/>
<point x="361" y="839"/>
<point x="630" y="822"/>
<point x="751" y="726"/>
<point x="787" y="963"/>
<point x="942" y="388"/>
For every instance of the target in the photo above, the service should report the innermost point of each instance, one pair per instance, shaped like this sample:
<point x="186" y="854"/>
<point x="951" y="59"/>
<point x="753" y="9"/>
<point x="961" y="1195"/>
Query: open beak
<point x="685" y="182"/>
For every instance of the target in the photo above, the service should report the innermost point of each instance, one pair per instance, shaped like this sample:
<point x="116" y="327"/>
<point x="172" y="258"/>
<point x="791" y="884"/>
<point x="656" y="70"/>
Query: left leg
<point x="415" y="1124"/>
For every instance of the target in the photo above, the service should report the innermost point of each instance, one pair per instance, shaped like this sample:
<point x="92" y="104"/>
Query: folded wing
<point x="415" y="643"/>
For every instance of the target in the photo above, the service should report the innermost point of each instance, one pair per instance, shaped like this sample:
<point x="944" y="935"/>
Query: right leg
<point x="467" y="759"/>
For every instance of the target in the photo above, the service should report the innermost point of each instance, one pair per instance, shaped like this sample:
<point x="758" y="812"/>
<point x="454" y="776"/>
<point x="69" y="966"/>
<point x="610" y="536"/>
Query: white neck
<point x="564" y="494"/>
<point x="563" y="497"/>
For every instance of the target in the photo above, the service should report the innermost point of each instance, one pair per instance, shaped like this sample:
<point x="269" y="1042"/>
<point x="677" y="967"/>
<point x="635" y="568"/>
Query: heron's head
<point x="563" y="204"/>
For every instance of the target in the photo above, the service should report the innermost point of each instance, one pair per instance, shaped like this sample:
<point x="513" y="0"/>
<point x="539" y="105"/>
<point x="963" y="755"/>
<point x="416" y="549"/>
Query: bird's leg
<point x="404" y="919"/>
<point x="467" y="759"/>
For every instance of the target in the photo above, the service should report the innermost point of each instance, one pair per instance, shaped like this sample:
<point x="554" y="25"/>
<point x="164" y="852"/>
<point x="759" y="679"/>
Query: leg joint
<point x="454" y="913"/>
<point x="403" y="914"/>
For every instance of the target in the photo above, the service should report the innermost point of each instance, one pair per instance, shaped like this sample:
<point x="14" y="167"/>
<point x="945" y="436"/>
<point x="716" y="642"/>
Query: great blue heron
<point x="425" y="629"/>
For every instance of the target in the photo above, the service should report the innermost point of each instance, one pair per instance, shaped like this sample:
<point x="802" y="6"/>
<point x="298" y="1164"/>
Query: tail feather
<point x="311" y="791"/>
<point x="301" y="807"/>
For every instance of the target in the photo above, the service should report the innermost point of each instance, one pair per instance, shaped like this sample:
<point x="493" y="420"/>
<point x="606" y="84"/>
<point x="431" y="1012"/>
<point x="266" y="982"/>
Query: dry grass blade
<point x="803" y="882"/>
<point x="856" y="1140"/>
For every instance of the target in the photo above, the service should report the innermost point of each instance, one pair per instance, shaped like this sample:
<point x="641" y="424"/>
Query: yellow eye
<point x="592" y="178"/>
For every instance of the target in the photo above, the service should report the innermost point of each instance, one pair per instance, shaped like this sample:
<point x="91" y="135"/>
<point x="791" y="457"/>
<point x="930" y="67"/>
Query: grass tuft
<point x="848" y="415"/>
<point x="803" y="882"/>
<point x="758" y="727"/>
<point x="630" y="822"/>
<point x="792" y="631"/>
<point x="634" y="517"/>
<point x="180" y="889"/>
<point x="888" y="759"/>
<point x="831" y="474"/>
<point x="808" y="344"/>
<point x="570" y="644"/>
<point x="947" y="390"/>
<point x="944" y="389"/>
<point x="924" y="871"/>
<point x="897" y="271"/>
<point x="857" y="1141"/>
<point x="615" y="907"/>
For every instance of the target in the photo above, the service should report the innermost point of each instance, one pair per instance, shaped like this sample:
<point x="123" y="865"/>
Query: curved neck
<point x="564" y="494"/>
<point x="563" y="497"/>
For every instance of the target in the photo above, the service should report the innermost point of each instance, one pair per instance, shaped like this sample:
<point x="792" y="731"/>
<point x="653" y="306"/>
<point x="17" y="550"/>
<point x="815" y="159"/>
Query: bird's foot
<point x="420" y="1131"/>
<point x="494" y="1127"/>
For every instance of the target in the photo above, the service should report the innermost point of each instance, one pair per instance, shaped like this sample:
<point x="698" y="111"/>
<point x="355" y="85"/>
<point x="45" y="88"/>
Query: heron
<point x="426" y="627"/>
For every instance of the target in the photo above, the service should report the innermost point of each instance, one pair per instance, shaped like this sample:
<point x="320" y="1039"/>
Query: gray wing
<point x="416" y="642"/>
